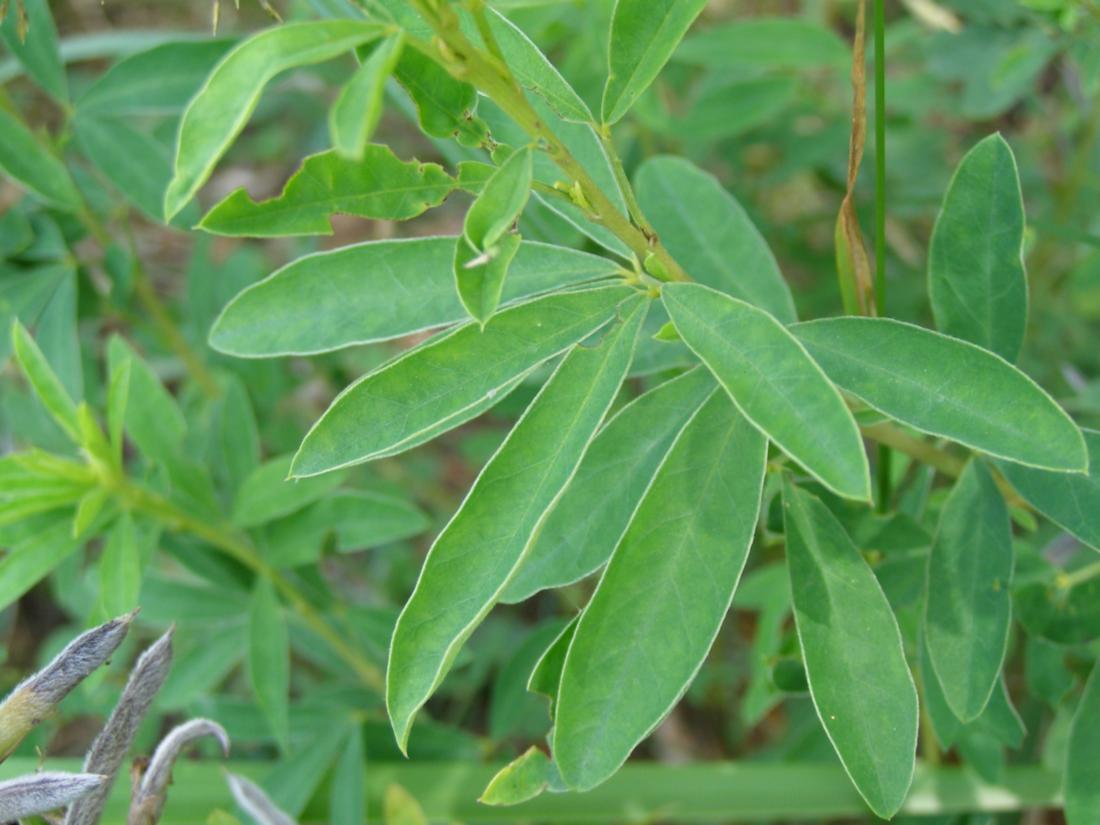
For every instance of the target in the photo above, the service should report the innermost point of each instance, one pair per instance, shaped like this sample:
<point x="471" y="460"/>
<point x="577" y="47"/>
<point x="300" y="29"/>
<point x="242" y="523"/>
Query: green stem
<point x="632" y="205"/>
<point x="238" y="548"/>
<point x="465" y="62"/>
<point x="170" y="333"/>
<point x="1080" y="576"/>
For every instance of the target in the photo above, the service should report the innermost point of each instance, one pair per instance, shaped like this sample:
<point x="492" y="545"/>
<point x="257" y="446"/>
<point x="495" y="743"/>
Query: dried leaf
<point x="254" y="802"/>
<point x="151" y="790"/>
<point x="41" y="792"/>
<point x="110" y="747"/>
<point x="853" y="266"/>
<point x="36" y="696"/>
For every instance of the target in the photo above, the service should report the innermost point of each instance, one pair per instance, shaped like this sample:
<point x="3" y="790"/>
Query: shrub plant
<point x="903" y="507"/>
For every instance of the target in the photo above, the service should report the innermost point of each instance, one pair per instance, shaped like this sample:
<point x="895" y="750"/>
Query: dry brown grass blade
<point x="111" y="746"/>
<point x="853" y="265"/>
<point x="34" y="698"/>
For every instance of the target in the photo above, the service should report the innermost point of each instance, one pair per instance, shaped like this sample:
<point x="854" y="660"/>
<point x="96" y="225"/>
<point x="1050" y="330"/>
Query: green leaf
<point x="220" y="109"/>
<point x="376" y="291"/>
<point x="87" y="511"/>
<point x="31" y="560"/>
<point x="585" y="525"/>
<point x="380" y="185"/>
<point x="25" y="159"/>
<point x="445" y="106"/>
<point x="859" y="679"/>
<point x="500" y="202"/>
<point x="155" y="82"/>
<point x="534" y="71"/>
<point x="709" y="233"/>
<point x="479" y="550"/>
<point x="135" y="163"/>
<point x="480" y="276"/>
<point x="120" y="568"/>
<point x="153" y="419"/>
<point x="269" y="493"/>
<point x="269" y="659"/>
<point x="38" y="51"/>
<point x="44" y="381"/>
<point x="765" y="43"/>
<point x="976" y="276"/>
<point x="449" y="380"/>
<point x="296" y="777"/>
<point x="644" y="34"/>
<point x="355" y="114"/>
<point x="520" y="780"/>
<point x="399" y="807"/>
<point x="1082" y="775"/>
<point x="546" y="675"/>
<point x="969" y="608"/>
<point x="1071" y="500"/>
<point x="348" y="797"/>
<point x="513" y="710"/>
<point x="663" y="597"/>
<point x="1065" y="615"/>
<point x="946" y="387"/>
<point x="774" y="383"/>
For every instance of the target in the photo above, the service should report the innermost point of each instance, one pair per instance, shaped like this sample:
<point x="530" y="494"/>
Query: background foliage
<point x="285" y="595"/>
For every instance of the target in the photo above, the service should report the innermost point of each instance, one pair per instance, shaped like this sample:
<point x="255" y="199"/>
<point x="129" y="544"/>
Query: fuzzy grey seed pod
<point x="111" y="746"/>
<point x="35" y="697"/>
<point x="256" y="803"/>
<point x="151" y="789"/>
<point x="41" y="792"/>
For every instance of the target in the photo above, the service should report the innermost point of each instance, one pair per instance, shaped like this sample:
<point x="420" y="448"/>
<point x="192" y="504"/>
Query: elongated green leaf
<point x="500" y="202"/>
<point x="381" y="185"/>
<point x="444" y="105"/>
<point x="475" y="555"/>
<point x="765" y="43"/>
<point x="483" y="255"/>
<point x="534" y="71"/>
<point x="774" y="383"/>
<point x="710" y="234"/>
<point x="546" y="675"/>
<point x="644" y="34"/>
<point x="1066" y="615"/>
<point x="355" y="114"/>
<point x="376" y="291"/>
<point x="663" y="597"/>
<point x="522" y="779"/>
<point x="24" y="159"/>
<point x="585" y="525"/>
<point x="1082" y="776"/>
<point x="31" y="560"/>
<point x="855" y="663"/>
<point x="120" y="568"/>
<point x="37" y="48"/>
<point x="267" y="493"/>
<point x="152" y="418"/>
<point x="47" y="387"/>
<point x="975" y="261"/>
<point x="450" y="379"/>
<point x="135" y="163"/>
<point x="157" y="81"/>
<point x="946" y="387"/>
<point x="269" y="659"/>
<point x="1070" y="500"/>
<point x="348" y="798"/>
<point x="218" y="113"/>
<point x="969" y="608"/>
<point x="480" y="276"/>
